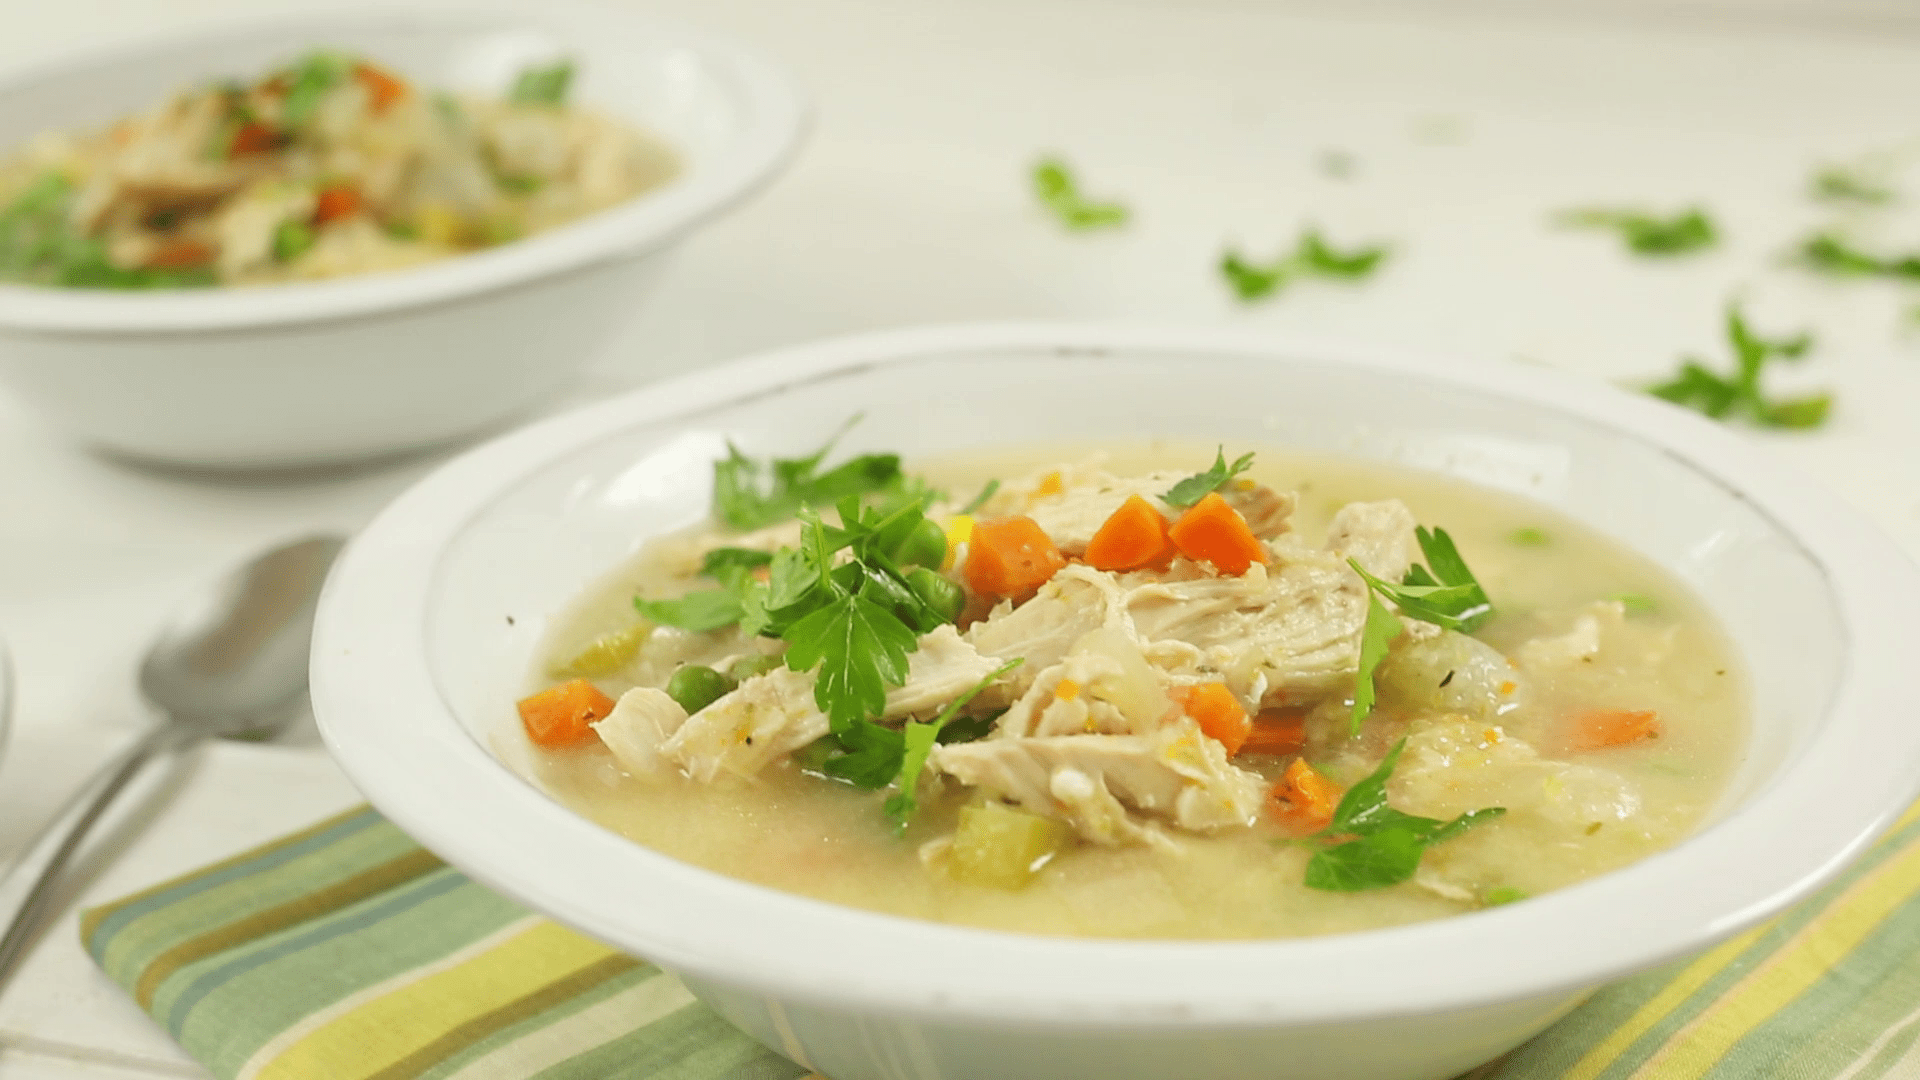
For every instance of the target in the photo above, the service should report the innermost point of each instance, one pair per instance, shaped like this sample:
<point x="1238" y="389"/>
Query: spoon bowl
<point x="232" y="662"/>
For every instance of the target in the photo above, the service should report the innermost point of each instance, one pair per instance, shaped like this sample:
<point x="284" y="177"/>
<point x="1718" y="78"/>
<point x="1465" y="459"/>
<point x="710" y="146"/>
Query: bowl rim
<point x="775" y="119"/>
<point x="371" y="672"/>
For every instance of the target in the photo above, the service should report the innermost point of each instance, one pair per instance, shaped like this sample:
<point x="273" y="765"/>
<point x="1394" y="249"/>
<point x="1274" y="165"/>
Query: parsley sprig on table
<point x="1649" y="234"/>
<point x="1387" y="844"/>
<point x="1697" y="387"/>
<point x="1844" y="184"/>
<point x="1312" y="257"/>
<point x="1444" y="593"/>
<point x="1828" y="253"/>
<point x="1057" y="189"/>
<point x="1201" y="484"/>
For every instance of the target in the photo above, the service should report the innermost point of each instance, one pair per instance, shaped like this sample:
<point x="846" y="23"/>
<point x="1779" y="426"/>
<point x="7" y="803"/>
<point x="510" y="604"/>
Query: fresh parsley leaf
<point x="542" y="85"/>
<point x="1828" y="253"/>
<point x="730" y="566"/>
<point x="1311" y="257"/>
<point x="749" y="494"/>
<point x="986" y="492"/>
<point x="919" y="740"/>
<point x="861" y="649"/>
<point x="1697" y="387"/>
<point x="1649" y="234"/>
<point x="1316" y="256"/>
<point x="1636" y="603"/>
<point x="872" y="757"/>
<point x="1445" y="564"/>
<point x="698" y="612"/>
<point x="1058" y="191"/>
<point x="308" y="83"/>
<point x="1387" y="844"/>
<point x="1201" y="484"/>
<point x="1841" y="184"/>
<point x="1376" y="861"/>
<point x="1444" y="592"/>
<point x="1529" y="536"/>
<point x="1376" y="636"/>
<point x="970" y="729"/>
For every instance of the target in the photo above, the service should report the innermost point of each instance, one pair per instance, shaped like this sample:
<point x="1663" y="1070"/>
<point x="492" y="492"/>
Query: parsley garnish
<point x="1447" y="595"/>
<point x="542" y="85"/>
<point x="39" y="244"/>
<point x="1313" y="257"/>
<point x="1387" y="843"/>
<point x="699" y="612"/>
<point x="980" y="500"/>
<point x="1721" y="396"/>
<point x="1636" y="603"/>
<point x="1058" y="191"/>
<point x="731" y="566"/>
<point x="1649" y="234"/>
<point x="1838" y="183"/>
<point x="1201" y="484"/>
<point x="1826" y="253"/>
<point x="917" y="741"/>
<point x="308" y="82"/>
<point x="749" y="494"/>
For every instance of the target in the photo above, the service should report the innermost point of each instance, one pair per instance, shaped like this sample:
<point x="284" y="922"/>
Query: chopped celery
<point x="1001" y="847"/>
<point x="754" y="664"/>
<point x="604" y="655"/>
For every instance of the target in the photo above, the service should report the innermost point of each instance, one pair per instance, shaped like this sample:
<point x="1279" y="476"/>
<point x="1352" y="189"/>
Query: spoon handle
<point x="38" y="870"/>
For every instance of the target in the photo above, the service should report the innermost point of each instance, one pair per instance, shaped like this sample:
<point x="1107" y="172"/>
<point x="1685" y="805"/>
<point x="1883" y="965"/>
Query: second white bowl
<point x="300" y="374"/>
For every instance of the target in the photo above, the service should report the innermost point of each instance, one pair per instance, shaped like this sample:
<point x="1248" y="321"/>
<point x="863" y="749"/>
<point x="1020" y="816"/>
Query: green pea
<point x="926" y="545"/>
<point x="753" y="664"/>
<point x="291" y="239"/>
<point x="696" y="687"/>
<point x="943" y="596"/>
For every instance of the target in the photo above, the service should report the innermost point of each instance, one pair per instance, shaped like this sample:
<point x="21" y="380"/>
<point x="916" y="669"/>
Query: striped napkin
<point x="348" y="952"/>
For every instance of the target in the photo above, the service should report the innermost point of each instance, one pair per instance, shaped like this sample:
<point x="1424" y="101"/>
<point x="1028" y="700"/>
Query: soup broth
<point x="1601" y="710"/>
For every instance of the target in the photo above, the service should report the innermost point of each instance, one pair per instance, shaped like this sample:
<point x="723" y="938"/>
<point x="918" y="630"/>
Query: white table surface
<point x="910" y="205"/>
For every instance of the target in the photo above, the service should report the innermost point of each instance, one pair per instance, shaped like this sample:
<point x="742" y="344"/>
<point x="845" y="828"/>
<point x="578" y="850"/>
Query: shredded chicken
<point x="773" y="714"/>
<point x="1175" y="775"/>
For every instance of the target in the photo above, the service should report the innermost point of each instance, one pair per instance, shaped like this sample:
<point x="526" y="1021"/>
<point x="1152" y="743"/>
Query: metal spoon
<point x="231" y="664"/>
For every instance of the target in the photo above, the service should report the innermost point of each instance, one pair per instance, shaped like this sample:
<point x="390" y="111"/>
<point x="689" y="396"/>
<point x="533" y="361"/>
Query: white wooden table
<point x="910" y="205"/>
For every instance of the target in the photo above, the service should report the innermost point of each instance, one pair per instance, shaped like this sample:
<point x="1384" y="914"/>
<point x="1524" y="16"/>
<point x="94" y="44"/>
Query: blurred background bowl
<point x="290" y="375"/>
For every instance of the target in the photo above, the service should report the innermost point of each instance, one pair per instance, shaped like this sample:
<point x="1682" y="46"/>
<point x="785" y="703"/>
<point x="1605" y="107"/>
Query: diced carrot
<point x="1066" y="690"/>
<point x="1050" y="484"/>
<point x="178" y="254"/>
<point x="1010" y="557"/>
<point x="383" y="89"/>
<point x="1277" y="732"/>
<point x="1304" y="800"/>
<point x="559" y="715"/>
<point x="1603" y="728"/>
<point x="1212" y="531"/>
<point x="1132" y="537"/>
<point x="254" y="137"/>
<point x="335" y="203"/>
<point x="1218" y="713"/>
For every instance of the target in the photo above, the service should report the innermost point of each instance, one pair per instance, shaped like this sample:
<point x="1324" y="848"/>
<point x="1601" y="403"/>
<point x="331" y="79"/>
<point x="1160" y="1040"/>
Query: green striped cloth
<point x="348" y="952"/>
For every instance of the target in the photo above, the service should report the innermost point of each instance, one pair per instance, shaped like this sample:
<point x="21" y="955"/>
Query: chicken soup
<point x="1153" y="691"/>
<point x="328" y="166"/>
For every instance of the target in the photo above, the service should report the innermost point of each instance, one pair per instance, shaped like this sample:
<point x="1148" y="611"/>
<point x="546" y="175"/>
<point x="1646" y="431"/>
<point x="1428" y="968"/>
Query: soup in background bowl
<point x="438" y="611"/>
